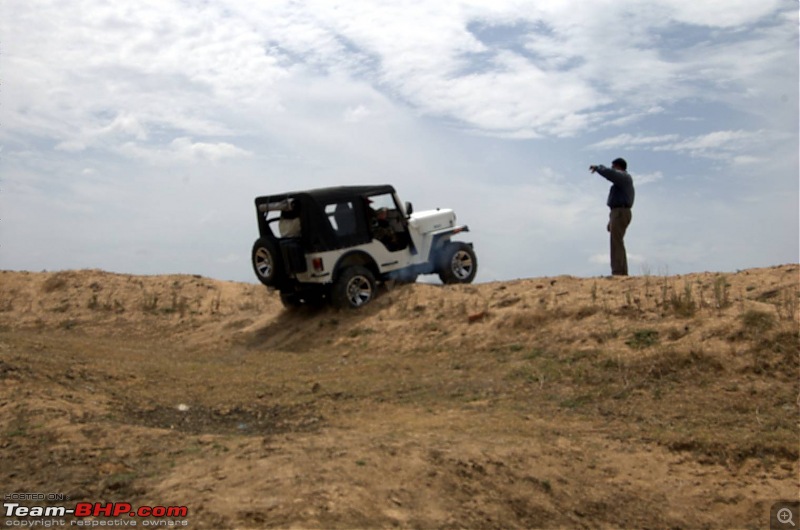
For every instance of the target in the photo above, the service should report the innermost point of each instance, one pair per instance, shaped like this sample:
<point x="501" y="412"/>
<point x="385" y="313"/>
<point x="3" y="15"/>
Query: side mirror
<point x="409" y="209"/>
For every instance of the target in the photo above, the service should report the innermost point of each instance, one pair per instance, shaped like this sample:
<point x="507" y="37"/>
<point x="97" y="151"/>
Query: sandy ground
<point x="641" y="402"/>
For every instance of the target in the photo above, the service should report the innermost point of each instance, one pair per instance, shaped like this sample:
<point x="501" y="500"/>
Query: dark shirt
<point x="621" y="194"/>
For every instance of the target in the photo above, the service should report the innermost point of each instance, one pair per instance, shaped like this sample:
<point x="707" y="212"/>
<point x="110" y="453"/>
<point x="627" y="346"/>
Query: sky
<point x="134" y="136"/>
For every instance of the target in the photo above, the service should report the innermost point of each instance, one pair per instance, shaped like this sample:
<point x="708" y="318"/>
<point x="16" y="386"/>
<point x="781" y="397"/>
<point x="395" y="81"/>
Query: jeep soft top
<point x="318" y="234"/>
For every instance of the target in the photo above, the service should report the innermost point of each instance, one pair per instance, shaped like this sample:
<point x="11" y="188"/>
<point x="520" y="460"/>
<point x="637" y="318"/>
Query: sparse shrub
<point x="778" y="355"/>
<point x="613" y="333"/>
<point x="787" y="344"/>
<point x="721" y="288"/>
<point x="683" y="305"/>
<point x="580" y="355"/>
<point x="701" y="303"/>
<point x="180" y="304"/>
<point x="355" y="332"/>
<point x="56" y="282"/>
<point x="63" y="307"/>
<point x="643" y="338"/>
<point x="787" y="304"/>
<point x="534" y="354"/>
<point x="119" y="482"/>
<point x="576" y="402"/>
<point x="183" y="306"/>
<point x="612" y="363"/>
<point x="585" y="312"/>
<point x="669" y="364"/>
<point x="760" y="361"/>
<point x="150" y="302"/>
<point x="95" y="305"/>
<point x="68" y="324"/>
<point x="8" y="303"/>
<point x="247" y="305"/>
<point x="647" y="293"/>
<point x="675" y="333"/>
<point x="531" y="320"/>
<point x="664" y="292"/>
<point x="432" y="327"/>
<point x="757" y="322"/>
<point x="522" y="373"/>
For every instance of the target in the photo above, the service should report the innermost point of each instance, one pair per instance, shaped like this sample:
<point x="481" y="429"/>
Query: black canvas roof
<point x="329" y="195"/>
<point x="317" y="233"/>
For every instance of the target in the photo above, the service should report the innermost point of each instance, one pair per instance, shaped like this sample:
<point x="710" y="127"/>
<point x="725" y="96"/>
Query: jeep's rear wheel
<point x="457" y="263"/>
<point x="266" y="262"/>
<point x="354" y="288"/>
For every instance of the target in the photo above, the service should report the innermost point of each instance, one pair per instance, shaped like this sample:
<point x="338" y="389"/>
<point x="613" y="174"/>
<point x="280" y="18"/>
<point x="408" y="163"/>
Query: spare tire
<point x="267" y="262"/>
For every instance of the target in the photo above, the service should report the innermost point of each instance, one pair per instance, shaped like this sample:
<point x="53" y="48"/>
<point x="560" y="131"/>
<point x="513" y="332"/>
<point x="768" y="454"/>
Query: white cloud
<point x="599" y="259"/>
<point x="183" y="150"/>
<point x="102" y="74"/>
<point x="721" y="13"/>
<point x="745" y="160"/>
<point x="356" y="114"/>
<point x="628" y="140"/>
<point x="186" y="149"/>
<point x="125" y="125"/>
<point x="717" y="145"/>
<point x="558" y="76"/>
<point x="642" y="179"/>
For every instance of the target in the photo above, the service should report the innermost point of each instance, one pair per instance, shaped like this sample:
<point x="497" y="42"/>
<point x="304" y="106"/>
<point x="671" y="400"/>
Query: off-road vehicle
<point x="338" y="244"/>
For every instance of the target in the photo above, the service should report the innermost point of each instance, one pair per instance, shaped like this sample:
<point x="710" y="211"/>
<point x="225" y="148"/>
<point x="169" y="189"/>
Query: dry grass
<point x="546" y="408"/>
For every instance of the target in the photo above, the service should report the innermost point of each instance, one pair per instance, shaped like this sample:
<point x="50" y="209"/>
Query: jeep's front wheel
<point x="354" y="288"/>
<point x="266" y="262"/>
<point x="457" y="263"/>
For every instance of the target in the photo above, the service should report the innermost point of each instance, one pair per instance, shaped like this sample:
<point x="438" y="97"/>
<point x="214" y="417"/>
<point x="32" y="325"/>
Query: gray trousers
<point x="618" y="221"/>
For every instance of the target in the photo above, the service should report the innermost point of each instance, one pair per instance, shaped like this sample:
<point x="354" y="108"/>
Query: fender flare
<point x="440" y="237"/>
<point x="355" y="257"/>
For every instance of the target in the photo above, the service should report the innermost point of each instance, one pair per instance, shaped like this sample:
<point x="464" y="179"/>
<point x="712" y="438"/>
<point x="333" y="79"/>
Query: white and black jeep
<point x="337" y="244"/>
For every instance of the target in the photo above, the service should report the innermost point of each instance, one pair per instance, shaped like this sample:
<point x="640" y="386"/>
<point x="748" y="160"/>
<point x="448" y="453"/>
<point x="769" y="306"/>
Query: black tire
<point x="354" y="288"/>
<point x="267" y="263"/>
<point x="457" y="263"/>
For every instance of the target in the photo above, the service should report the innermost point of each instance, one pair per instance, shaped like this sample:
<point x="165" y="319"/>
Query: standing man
<point x="620" y="200"/>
